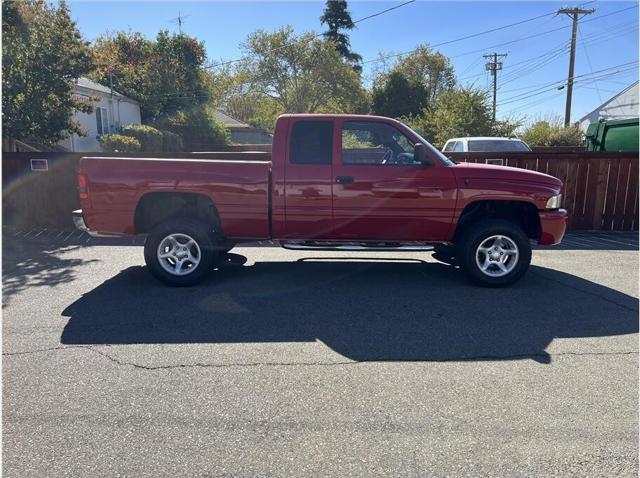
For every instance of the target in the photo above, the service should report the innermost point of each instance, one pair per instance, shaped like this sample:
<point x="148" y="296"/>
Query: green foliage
<point x="196" y="127"/>
<point x="459" y="112"/>
<point x="300" y="73"/>
<point x="42" y="55"/>
<point x="150" y="138"/>
<point x="551" y="132"/>
<point x="397" y="96"/>
<point x="164" y="75"/>
<point x="423" y="67"/>
<point x="171" y="142"/>
<point x="118" y="143"/>
<point x="337" y="18"/>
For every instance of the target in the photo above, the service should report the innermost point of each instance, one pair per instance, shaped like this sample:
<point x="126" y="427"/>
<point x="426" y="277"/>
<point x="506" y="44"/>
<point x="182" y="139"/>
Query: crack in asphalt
<point x="543" y="358"/>
<point x="544" y="276"/>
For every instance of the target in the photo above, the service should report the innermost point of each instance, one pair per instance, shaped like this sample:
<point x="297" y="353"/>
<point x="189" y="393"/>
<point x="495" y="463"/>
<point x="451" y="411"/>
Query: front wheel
<point x="494" y="253"/>
<point x="180" y="252"/>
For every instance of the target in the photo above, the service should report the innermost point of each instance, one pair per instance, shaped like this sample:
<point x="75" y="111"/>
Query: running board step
<point x="347" y="246"/>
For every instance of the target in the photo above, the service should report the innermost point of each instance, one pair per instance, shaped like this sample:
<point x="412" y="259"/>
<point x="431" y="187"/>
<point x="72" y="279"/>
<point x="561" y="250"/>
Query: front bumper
<point x="553" y="225"/>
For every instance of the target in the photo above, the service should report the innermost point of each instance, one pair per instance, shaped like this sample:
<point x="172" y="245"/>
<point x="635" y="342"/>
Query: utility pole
<point x="493" y="67"/>
<point x="575" y="14"/>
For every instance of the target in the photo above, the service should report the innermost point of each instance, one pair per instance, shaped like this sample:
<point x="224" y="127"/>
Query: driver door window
<point x="374" y="143"/>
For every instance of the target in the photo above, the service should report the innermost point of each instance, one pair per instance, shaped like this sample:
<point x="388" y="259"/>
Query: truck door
<point x="381" y="193"/>
<point x="308" y="180"/>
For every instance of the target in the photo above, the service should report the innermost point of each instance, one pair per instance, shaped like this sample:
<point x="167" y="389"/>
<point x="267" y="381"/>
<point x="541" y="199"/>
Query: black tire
<point x="475" y="235"/>
<point x="202" y="236"/>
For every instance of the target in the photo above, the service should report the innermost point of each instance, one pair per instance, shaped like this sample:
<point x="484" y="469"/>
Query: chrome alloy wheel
<point x="179" y="254"/>
<point x="496" y="256"/>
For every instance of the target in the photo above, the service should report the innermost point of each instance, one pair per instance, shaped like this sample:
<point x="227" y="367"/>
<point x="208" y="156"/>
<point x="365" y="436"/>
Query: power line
<point x="592" y="38"/>
<point x="561" y="83"/>
<point x="382" y="12"/>
<point x="393" y="55"/>
<point x="373" y="15"/>
<point x="467" y="37"/>
<point x="586" y="54"/>
<point x="556" y="86"/>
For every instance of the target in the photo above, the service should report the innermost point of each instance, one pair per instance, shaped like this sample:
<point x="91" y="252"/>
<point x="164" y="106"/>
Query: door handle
<point x="344" y="179"/>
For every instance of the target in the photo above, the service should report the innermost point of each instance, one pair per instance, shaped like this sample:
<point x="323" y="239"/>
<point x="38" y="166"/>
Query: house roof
<point x="229" y="121"/>
<point x="84" y="82"/>
<point x="633" y="85"/>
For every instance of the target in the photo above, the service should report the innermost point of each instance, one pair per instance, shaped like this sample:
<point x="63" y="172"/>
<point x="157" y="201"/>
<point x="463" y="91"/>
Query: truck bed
<point x="237" y="183"/>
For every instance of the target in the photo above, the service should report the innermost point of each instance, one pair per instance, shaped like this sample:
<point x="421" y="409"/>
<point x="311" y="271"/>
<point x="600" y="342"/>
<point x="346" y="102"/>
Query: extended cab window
<point x="311" y="142"/>
<point x="458" y="147"/>
<point x="369" y="142"/>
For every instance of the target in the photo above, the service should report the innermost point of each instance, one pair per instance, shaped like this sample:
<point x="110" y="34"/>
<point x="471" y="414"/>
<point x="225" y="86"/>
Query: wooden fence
<point x="601" y="189"/>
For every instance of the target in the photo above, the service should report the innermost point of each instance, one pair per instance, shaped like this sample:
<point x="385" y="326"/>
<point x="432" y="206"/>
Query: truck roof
<point x="336" y="115"/>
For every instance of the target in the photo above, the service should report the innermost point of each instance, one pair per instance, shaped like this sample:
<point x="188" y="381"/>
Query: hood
<point x="506" y="173"/>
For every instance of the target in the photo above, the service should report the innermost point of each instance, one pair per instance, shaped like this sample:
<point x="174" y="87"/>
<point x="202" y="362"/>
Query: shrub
<point x="171" y="141"/>
<point x="550" y="132"/>
<point x="196" y="127"/>
<point x="118" y="143"/>
<point x="150" y="138"/>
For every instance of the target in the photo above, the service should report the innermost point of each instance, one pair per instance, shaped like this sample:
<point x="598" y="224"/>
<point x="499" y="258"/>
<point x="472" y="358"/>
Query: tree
<point x="459" y="112"/>
<point x="165" y="75"/>
<point x="42" y="56"/>
<point x="551" y="132"/>
<point x="337" y="18"/>
<point x="300" y="74"/>
<point x="397" y="96"/>
<point x="424" y="66"/>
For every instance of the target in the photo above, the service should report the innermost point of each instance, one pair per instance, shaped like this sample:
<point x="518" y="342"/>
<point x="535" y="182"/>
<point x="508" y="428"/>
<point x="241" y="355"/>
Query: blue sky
<point x="606" y="39"/>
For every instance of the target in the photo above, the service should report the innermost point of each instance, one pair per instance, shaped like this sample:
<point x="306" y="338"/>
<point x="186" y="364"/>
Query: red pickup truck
<point x="340" y="182"/>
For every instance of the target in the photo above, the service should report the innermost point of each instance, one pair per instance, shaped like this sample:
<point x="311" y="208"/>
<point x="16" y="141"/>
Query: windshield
<point x="433" y="150"/>
<point x="499" y="145"/>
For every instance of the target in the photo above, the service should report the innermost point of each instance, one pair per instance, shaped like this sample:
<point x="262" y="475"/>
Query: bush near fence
<point x="150" y="138"/>
<point x="118" y="143"/>
<point x="601" y="189"/>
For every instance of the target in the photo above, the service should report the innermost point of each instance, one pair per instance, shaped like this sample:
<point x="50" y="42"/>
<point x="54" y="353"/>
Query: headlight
<point x="554" y="202"/>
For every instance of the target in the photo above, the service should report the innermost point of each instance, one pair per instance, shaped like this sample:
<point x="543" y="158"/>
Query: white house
<point x="621" y="106"/>
<point x="111" y="110"/>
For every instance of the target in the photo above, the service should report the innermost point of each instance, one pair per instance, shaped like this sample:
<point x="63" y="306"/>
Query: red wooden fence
<point x="601" y="189"/>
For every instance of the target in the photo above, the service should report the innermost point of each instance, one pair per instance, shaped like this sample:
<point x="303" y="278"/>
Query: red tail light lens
<point x="82" y="186"/>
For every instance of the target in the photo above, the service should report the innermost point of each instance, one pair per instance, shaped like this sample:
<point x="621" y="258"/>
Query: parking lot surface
<point x="318" y="364"/>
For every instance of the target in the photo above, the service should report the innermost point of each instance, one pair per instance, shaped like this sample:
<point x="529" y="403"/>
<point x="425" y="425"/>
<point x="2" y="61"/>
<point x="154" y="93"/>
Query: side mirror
<point x="420" y="154"/>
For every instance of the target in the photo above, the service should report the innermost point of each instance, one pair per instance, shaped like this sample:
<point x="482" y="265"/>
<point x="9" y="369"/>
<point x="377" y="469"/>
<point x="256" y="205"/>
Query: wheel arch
<point x="156" y="207"/>
<point x="523" y="213"/>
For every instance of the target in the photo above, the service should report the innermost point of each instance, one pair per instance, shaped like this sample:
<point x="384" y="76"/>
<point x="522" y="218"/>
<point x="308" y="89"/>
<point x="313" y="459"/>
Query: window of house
<point x="102" y="120"/>
<point x="370" y="142"/>
<point x="311" y="142"/>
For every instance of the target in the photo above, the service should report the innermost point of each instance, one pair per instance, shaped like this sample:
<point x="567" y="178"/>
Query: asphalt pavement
<point x="288" y="364"/>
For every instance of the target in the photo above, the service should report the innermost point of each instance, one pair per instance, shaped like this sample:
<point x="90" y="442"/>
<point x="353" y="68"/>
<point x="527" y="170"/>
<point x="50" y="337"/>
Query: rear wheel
<point x="494" y="253"/>
<point x="180" y="252"/>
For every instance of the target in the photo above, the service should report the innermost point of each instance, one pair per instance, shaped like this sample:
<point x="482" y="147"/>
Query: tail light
<point x="82" y="186"/>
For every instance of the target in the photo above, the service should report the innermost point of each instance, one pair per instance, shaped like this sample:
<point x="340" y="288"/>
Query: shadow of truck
<point x="365" y="311"/>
